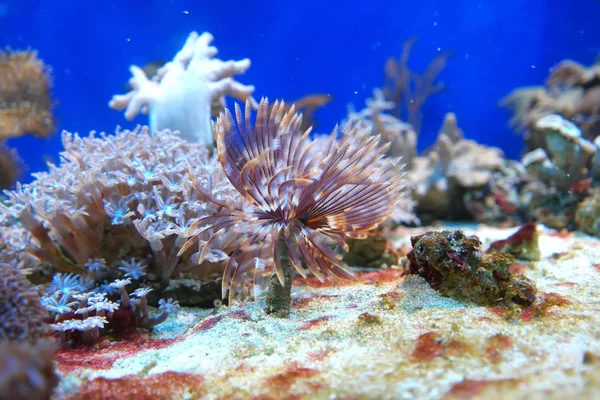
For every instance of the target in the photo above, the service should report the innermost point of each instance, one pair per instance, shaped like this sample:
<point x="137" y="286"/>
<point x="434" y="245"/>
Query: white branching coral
<point x="183" y="93"/>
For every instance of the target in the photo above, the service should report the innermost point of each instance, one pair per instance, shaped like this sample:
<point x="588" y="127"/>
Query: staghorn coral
<point x="307" y="105"/>
<point x="184" y="92"/>
<point x="572" y="90"/>
<point x="116" y="197"/>
<point x="403" y="143"/>
<point x="298" y="200"/>
<point x="407" y="90"/>
<point x="455" y="178"/>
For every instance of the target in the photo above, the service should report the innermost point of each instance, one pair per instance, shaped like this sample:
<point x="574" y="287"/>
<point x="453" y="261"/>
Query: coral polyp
<point x="301" y="195"/>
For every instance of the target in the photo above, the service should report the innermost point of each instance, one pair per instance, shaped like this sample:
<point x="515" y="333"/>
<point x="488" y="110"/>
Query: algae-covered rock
<point x="523" y="244"/>
<point x="454" y="265"/>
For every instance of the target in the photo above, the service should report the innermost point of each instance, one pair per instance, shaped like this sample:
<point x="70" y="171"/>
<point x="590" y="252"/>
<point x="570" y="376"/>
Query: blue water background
<point x="298" y="48"/>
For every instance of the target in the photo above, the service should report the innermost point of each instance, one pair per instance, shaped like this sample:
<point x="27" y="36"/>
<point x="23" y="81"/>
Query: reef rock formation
<point x="572" y="91"/>
<point x="559" y="173"/>
<point x="454" y="264"/>
<point x="452" y="167"/>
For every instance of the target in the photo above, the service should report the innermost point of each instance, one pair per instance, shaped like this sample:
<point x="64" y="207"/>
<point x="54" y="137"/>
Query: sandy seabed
<point x="383" y="337"/>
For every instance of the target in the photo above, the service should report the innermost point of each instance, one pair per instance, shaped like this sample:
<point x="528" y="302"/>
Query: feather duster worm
<point x="302" y="195"/>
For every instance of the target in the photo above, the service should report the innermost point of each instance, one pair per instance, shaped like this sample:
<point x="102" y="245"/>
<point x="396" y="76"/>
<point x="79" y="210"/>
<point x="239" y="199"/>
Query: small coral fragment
<point x="454" y="265"/>
<point x="523" y="244"/>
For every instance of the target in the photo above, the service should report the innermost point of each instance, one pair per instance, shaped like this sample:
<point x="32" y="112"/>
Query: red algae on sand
<point x="391" y="299"/>
<point x="303" y="302"/>
<point x="103" y="358"/>
<point x="207" y="324"/>
<point x="242" y="315"/>
<point x="524" y="315"/>
<point x="292" y="372"/>
<point x="314" y="322"/>
<point x="210" y="322"/>
<point x="469" y="388"/>
<point x="495" y="345"/>
<point x="320" y="355"/>
<point x="164" y="386"/>
<point x="429" y="346"/>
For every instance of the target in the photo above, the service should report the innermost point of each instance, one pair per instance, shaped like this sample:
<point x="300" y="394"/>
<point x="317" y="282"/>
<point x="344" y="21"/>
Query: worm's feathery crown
<point x="313" y="192"/>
